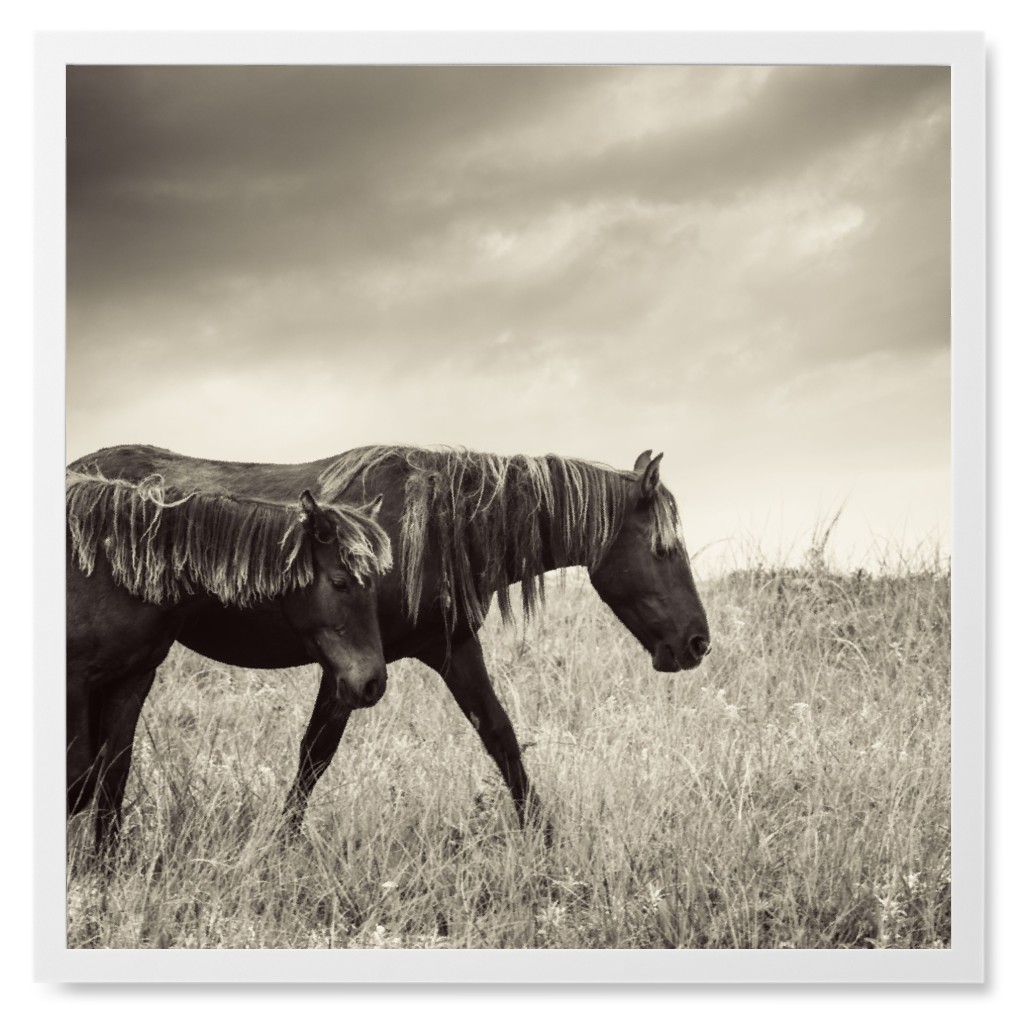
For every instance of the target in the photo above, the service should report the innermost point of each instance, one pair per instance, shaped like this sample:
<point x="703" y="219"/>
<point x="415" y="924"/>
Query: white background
<point x="993" y="1001"/>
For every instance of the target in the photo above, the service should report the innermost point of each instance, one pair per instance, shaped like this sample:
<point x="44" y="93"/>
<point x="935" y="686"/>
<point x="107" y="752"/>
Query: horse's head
<point x="645" y="577"/>
<point x="336" y="614"/>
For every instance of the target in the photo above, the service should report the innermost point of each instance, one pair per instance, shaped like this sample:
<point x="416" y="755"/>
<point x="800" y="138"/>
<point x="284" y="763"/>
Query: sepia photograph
<point x="509" y="506"/>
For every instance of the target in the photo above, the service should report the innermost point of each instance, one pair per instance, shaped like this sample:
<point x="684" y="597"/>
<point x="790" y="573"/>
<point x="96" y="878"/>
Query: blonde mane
<point x="162" y="546"/>
<point x="494" y="519"/>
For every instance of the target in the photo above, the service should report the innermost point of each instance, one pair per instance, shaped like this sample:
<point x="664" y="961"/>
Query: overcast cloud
<point x="747" y="268"/>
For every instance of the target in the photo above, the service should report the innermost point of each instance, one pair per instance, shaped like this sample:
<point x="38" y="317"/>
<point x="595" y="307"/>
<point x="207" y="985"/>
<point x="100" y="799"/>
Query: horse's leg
<point x="81" y="750"/>
<point x="466" y="676"/>
<point x="319" y="745"/>
<point x="118" y="715"/>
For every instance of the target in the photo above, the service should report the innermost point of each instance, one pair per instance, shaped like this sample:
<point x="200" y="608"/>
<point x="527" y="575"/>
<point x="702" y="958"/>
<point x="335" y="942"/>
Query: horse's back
<point x="184" y="473"/>
<point x="123" y="461"/>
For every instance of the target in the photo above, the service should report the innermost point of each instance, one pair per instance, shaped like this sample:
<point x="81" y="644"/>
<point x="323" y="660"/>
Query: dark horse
<point x="467" y="525"/>
<point x="146" y="561"/>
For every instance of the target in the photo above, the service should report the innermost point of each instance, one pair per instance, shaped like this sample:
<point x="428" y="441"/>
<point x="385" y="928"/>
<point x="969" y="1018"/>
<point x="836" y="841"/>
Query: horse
<point x="466" y="525"/>
<point x="145" y="560"/>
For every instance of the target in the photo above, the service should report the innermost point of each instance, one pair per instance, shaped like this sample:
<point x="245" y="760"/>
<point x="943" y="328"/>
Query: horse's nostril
<point x="699" y="646"/>
<point x="374" y="689"/>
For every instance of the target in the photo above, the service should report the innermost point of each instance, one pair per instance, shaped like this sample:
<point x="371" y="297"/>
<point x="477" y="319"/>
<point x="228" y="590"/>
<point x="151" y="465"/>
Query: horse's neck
<point x="554" y="553"/>
<point x="555" y="556"/>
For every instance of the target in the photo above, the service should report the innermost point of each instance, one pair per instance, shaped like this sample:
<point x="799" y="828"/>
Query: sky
<point x="744" y="267"/>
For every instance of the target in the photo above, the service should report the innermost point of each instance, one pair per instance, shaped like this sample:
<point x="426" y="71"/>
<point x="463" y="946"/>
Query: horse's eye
<point x="341" y="584"/>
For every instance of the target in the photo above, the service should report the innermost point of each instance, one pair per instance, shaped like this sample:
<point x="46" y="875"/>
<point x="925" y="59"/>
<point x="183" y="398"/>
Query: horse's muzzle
<point x="364" y="696"/>
<point x="666" y="658"/>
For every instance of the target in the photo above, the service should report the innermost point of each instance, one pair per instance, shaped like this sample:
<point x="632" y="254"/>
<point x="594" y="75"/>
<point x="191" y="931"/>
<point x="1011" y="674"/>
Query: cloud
<point x="742" y="265"/>
<point x="180" y="169"/>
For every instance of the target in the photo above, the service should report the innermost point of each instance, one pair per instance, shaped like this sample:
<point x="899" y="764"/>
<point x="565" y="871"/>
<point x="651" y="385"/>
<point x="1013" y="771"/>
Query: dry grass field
<point x="793" y="792"/>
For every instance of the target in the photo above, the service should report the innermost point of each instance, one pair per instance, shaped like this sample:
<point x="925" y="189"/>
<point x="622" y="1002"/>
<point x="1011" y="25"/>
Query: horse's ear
<point x="641" y="461"/>
<point x="310" y="509"/>
<point x="313" y="518"/>
<point x="373" y="509"/>
<point x="650" y="476"/>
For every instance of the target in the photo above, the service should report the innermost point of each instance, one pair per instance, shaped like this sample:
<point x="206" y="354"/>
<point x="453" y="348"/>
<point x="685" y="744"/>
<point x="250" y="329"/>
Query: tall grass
<point x="793" y="792"/>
